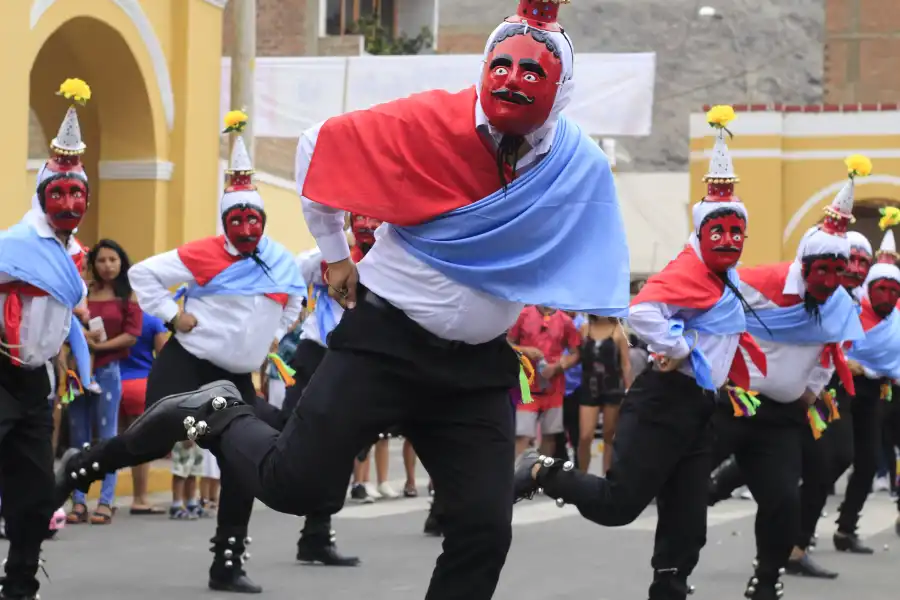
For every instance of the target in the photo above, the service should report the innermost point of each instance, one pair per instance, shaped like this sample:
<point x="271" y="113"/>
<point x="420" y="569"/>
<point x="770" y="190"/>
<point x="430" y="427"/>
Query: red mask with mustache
<point x="363" y="229"/>
<point x="722" y="241"/>
<point x="244" y="227"/>
<point x="823" y="275"/>
<point x="65" y="201"/>
<point x="884" y="295"/>
<point x="519" y="82"/>
<point x="857" y="268"/>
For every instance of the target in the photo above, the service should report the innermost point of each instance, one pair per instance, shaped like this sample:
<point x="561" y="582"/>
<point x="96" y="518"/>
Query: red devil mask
<point x="64" y="200"/>
<point x="823" y="275"/>
<point x="721" y="238"/>
<point x="884" y="295"/>
<point x="521" y="76"/>
<point x="363" y="229"/>
<point x="857" y="268"/>
<point x="244" y="225"/>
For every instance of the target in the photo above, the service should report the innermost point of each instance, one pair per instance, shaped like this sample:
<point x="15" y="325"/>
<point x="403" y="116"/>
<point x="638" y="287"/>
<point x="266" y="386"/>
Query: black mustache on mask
<point x="510" y="96"/>
<point x="249" y="238"/>
<point x="67" y="214"/>
<point x="727" y="249"/>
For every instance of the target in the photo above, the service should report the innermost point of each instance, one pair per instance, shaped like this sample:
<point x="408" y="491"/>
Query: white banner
<point x="613" y="95"/>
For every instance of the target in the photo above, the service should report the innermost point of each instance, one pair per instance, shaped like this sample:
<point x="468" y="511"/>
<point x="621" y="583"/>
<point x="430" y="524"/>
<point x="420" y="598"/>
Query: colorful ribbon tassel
<point x="285" y="373"/>
<point x="887" y="392"/>
<point x="744" y="402"/>
<point x="526" y="378"/>
<point x="72" y="386"/>
<point x="816" y="423"/>
<point x="830" y="399"/>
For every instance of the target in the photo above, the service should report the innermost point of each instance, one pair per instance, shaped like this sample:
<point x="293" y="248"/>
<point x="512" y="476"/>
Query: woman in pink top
<point x="114" y="327"/>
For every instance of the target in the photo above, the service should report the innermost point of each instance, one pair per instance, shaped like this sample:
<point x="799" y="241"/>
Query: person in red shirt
<point x="543" y="334"/>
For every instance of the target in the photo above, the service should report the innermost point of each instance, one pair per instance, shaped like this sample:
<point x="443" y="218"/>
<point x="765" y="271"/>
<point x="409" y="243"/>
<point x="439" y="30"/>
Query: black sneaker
<point x="358" y="493"/>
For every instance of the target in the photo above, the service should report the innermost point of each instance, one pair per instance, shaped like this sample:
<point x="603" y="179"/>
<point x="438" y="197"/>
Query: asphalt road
<point x="555" y="555"/>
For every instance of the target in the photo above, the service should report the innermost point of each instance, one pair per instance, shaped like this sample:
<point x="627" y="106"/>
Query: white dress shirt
<point x="791" y="369"/>
<point x="45" y="321"/>
<point x="310" y="263"/>
<point x="650" y="321"/>
<point x="232" y="332"/>
<point x="443" y="307"/>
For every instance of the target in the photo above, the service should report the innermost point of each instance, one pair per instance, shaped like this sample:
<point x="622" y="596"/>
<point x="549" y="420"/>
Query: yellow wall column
<point x="196" y="73"/>
<point x="15" y="47"/>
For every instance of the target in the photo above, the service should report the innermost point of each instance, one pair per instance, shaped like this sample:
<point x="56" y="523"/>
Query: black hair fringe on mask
<point x="262" y="264"/>
<point x="508" y="154"/>
<point x="747" y="308"/>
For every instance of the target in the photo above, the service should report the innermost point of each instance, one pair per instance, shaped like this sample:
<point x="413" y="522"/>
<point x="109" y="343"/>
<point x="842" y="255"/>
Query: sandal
<point x="77" y="515"/>
<point x="147" y="510"/>
<point x="99" y="518"/>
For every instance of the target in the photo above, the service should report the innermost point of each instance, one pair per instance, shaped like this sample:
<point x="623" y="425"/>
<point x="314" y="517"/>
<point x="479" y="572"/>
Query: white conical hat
<point x="240" y="158"/>
<point x="888" y="244"/>
<point x="720" y="165"/>
<point x="843" y="202"/>
<point x="68" y="140"/>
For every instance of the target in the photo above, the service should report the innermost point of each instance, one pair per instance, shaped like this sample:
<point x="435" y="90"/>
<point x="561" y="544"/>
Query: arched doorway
<point x="117" y="124"/>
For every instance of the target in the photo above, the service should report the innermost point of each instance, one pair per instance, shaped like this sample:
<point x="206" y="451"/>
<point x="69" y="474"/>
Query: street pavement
<point x="555" y="555"/>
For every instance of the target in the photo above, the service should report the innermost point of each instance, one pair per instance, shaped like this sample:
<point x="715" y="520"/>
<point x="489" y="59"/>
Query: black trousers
<point x="305" y="362"/>
<point x="768" y="449"/>
<point x="858" y="435"/>
<point x="452" y="401"/>
<point x="662" y="450"/>
<point x="26" y="471"/>
<point x="176" y="371"/>
<point x="891" y="434"/>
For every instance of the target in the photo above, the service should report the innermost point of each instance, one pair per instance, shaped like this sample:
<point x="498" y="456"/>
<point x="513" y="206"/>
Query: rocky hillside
<point x="774" y="47"/>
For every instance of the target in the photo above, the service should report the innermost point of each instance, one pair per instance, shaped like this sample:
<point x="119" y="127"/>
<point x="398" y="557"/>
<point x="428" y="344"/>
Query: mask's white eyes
<point x="501" y="71"/>
<point x="531" y="77"/>
<point x="715" y="237"/>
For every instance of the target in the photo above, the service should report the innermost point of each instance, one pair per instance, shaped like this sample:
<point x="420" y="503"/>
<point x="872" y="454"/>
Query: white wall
<point x="655" y="209"/>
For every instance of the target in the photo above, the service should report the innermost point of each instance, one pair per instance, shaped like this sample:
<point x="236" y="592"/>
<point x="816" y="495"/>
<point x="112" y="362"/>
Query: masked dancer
<point x="692" y="318"/>
<point x="875" y="362"/>
<point x="244" y="291"/>
<point x="40" y="287"/>
<point x="804" y="316"/>
<point x="482" y="189"/>
<point x="822" y="460"/>
<point x="317" y="539"/>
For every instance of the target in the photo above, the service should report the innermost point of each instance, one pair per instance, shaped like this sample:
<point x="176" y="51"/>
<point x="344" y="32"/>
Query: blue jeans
<point x="97" y="414"/>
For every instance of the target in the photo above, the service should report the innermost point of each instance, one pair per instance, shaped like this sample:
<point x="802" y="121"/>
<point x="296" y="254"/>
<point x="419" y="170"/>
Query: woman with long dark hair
<point x="113" y="329"/>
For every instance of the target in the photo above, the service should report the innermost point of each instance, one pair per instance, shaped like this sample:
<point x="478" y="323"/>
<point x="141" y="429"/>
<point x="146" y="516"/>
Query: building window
<point x="341" y="16"/>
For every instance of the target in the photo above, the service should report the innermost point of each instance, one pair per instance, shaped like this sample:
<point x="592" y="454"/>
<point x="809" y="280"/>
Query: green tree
<point x="379" y="41"/>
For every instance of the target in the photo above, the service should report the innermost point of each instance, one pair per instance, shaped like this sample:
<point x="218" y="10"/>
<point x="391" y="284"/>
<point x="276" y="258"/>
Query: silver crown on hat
<point x="68" y="139"/>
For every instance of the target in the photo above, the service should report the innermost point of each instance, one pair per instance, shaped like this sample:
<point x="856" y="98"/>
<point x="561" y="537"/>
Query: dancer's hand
<point x="184" y="322"/>
<point x="667" y="364"/>
<point x="855" y="367"/>
<point x="342" y="278"/>
<point x="551" y="371"/>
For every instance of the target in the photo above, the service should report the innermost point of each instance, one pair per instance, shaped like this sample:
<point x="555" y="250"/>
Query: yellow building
<point x="790" y="162"/>
<point x="151" y="127"/>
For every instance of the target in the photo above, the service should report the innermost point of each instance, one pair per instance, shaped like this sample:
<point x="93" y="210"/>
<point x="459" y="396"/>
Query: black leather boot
<point x="850" y="542"/>
<point x="669" y="584"/>
<point x="765" y="584"/>
<point x="433" y="520"/>
<point x="526" y="484"/>
<point x="805" y="566"/>
<point x="317" y="544"/>
<point x="227" y="574"/>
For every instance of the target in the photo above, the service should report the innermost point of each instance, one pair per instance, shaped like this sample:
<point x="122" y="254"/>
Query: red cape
<point x="207" y="257"/>
<point x="769" y="281"/>
<point x="686" y="282"/>
<point x="405" y="161"/>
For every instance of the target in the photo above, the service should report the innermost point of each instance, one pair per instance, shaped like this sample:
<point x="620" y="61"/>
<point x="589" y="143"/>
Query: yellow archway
<point x="120" y="126"/>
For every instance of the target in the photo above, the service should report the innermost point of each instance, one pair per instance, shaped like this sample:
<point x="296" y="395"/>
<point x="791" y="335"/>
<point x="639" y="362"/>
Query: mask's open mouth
<point x="727" y="250"/>
<point x="512" y="97"/>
